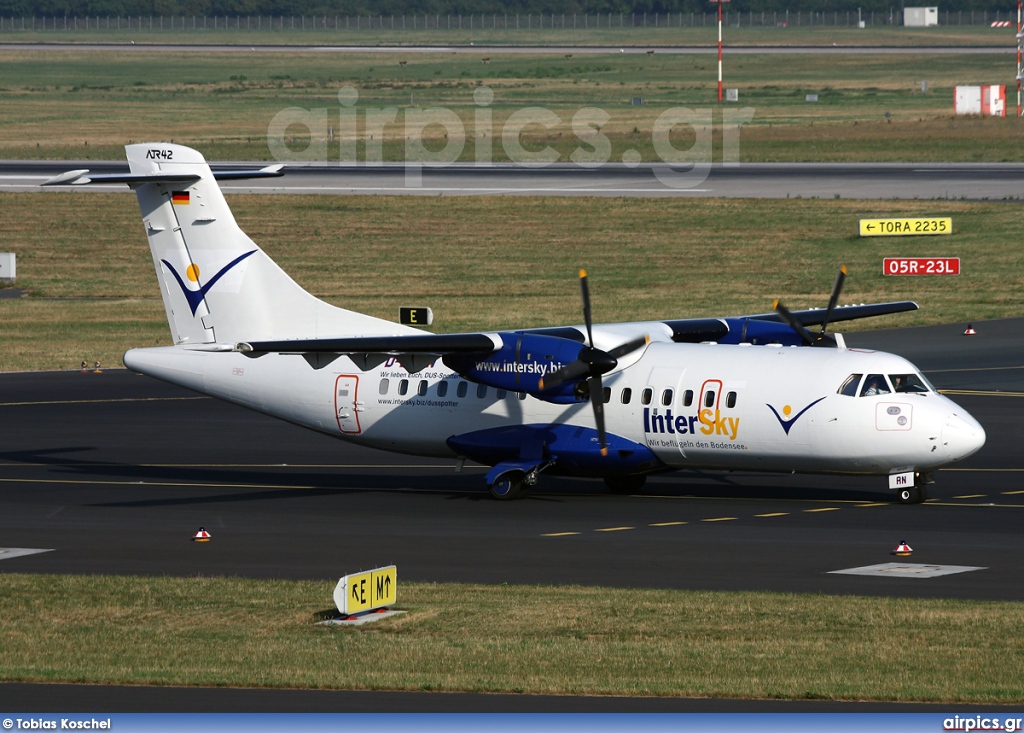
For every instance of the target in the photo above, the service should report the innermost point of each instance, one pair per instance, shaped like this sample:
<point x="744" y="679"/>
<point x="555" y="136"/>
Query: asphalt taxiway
<point x="112" y="472"/>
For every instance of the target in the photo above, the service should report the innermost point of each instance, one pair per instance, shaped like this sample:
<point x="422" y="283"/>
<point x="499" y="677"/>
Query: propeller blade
<point x="597" y="401"/>
<point x="585" y="292"/>
<point x="568" y="373"/>
<point x="629" y="347"/>
<point x="837" y="288"/>
<point x="794" y="323"/>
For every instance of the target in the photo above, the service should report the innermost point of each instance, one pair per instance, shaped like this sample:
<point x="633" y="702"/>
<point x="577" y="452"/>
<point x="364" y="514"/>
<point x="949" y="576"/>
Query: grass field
<point x="88" y="104"/>
<point x="746" y="30"/>
<point x="500" y="263"/>
<point x="535" y="640"/>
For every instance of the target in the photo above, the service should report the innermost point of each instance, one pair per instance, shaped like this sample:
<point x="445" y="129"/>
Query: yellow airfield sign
<point x="905" y="227"/>
<point x="368" y="590"/>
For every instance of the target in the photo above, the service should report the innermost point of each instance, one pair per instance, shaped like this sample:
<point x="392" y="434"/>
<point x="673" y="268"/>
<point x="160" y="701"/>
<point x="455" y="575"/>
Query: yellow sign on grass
<point x="905" y="227"/>
<point x="367" y="590"/>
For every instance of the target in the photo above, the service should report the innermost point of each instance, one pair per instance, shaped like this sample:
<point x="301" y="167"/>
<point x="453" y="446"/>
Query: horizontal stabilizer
<point x="82" y="177"/>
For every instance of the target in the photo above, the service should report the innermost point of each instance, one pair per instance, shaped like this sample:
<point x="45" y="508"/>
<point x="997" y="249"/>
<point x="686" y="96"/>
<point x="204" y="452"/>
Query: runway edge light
<point x="902" y="550"/>
<point x="202" y="536"/>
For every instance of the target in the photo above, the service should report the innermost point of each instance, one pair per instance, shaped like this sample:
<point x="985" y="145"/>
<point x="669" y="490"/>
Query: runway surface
<point x="491" y="49"/>
<point x="113" y="472"/>
<point x="959" y="181"/>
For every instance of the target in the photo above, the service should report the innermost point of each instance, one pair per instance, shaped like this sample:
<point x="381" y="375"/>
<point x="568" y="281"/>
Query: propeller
<point x="821" y="338"/>
<point x="590" y="364"/>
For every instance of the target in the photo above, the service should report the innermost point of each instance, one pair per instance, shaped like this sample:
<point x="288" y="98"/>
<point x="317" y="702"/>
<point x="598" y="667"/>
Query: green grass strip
<point x="526" y="639"/>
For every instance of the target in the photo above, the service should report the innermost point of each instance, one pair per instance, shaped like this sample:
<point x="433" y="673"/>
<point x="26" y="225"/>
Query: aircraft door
<point x="346" y="406"/>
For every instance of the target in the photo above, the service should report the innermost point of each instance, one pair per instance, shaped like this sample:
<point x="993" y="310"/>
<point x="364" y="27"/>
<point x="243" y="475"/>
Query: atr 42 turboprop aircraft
<point x="615" y="401"/>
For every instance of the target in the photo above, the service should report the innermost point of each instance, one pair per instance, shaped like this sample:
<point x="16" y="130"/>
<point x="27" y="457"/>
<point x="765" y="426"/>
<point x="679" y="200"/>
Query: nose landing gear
<point x="917" y="494"/>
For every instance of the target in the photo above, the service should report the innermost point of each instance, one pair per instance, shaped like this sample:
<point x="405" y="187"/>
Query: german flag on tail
<point x="179" y="198"/>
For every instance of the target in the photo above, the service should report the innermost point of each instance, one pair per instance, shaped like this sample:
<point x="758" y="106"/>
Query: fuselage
<point x="710" y="406"/>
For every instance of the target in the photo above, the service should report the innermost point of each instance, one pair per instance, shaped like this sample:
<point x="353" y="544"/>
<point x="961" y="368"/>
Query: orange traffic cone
<point x="903" y="550"/>
<point x="970" y="331"/>
<point x="202" y="536"/>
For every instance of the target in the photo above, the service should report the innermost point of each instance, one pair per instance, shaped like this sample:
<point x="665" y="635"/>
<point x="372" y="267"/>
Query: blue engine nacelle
<point x="520" y="363"/>
<point x="752" y="331"/>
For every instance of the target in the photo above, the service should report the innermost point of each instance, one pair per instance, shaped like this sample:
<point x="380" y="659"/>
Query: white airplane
<point x="733" y="393"/>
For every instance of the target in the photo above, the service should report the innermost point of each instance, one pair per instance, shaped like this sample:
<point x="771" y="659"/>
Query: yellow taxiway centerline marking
<point x="773" y="514"/>
<point x="666" y="524"/>
<point x="89" y="402"/>
<point x="1011" y="493"/>
<point x="876" y="503"/>
<point x="613" y="529"/>
<point x="242" y="465"/>
<point x="158" y="483"/>
<point x="990" y="505"/>
<point x="973" y="369"/>
<point x="971" y="496"/>
<point x="823" y="509"/>
<point x="559" y="534"/>
<point x="985" y="470"/>
<point x="981" y="392"/>
<point x="719" y="519"/>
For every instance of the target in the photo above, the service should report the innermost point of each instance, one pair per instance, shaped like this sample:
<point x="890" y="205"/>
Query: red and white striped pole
<point x="720" y="51"/>
<point x="719" y="4"/>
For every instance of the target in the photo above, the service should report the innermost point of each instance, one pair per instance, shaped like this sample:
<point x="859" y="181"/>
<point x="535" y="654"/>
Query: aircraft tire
<point x="911" y="495"/>
<point x="509" y="486"/>
<point x="625" y="484"/>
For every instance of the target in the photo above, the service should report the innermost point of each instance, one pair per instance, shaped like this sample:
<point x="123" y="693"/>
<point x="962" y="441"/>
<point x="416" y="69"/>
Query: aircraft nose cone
<point x="962" y="436"/>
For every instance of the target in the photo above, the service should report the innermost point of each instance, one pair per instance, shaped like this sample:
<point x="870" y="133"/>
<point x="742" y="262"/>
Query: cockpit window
<point x="874" y="384"/>
<point x="908" y="383"/>
<point x="849" y="387"/>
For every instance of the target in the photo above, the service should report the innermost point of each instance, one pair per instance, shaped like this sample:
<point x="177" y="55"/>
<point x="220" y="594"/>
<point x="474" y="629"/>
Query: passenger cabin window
<point x="849" y="387"/>
<point x="730" y="400"/>
<point x="687" y="398"/>
<point x="627" y="395"/>
<point x="709" y="398"/>
<point x="463" y="388"/>
<point x="912" y="383"/>
<point x="645" y="396"/>
<point x="481" y="391"/>
<point x="442" y="389"/>
<point x="385" y="384"/>
<point x="502" y="394"/>
<point x="422" y="389"/>
<point x="874" y="384"/>
<point x="666" y="397"/>
<point x="403" y="387"/>
<point x="522" y="395"/>
<point x="607" y="395"/>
